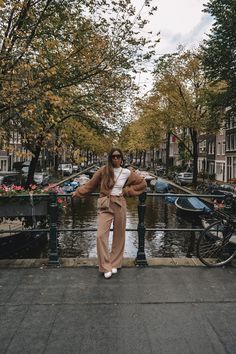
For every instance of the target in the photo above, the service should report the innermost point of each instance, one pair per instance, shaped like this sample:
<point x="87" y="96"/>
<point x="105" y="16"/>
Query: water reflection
<point x="83" y="214"/>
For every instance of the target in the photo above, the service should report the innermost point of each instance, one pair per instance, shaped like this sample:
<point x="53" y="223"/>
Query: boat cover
<point x="192" y="203"/>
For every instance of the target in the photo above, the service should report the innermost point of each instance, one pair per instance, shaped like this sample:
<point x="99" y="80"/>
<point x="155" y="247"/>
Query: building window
<point x="202" y="146"/>
<point x="219" y="168"/>
<point x="223" y="148"/>
<point x="3" y="165"/>
<point x="234" y="167"/>
<point x="231" y="142"/>
<point x="211" y="148"/>
<point x="230" y="122"/>
<point x="227" y="142"/>
<point x="229" y="172"/>
<point x="211" y="168"/>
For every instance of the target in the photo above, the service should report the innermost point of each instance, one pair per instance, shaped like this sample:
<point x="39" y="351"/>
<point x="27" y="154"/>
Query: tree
<point x="151" y="122"/>
<point x="65" y="59"/>
<point x="78" y="138"/>
<point x="219" y="51"/>
<point x="132" y="139"/>
<point x="181" y="88"/>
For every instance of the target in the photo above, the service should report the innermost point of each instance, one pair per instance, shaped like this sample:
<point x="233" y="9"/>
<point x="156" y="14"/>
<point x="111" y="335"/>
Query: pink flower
<point x="17" y="188"/>
<point x="33" y="186"/>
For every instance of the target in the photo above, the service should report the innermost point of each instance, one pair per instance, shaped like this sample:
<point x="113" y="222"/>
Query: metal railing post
<point x="141" y="257"/>
<point x="53" y="244"/>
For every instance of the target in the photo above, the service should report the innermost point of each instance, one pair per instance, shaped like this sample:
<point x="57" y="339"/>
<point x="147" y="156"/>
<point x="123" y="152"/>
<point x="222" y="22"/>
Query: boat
<point x="145" y="175"/>
<point x="70" y="187"/>
<point x="82" y="179"/>
<point x="162" y="186"/>
<point x="152" y="184"/>
<point x="192" y="205"/>
<point x="170" y="199"/>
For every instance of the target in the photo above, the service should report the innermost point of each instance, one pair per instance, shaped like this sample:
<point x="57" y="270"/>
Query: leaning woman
<point x="115" y="183"/>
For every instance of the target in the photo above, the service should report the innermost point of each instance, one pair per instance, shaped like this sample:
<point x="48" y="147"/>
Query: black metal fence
<point x="50" y="210"/>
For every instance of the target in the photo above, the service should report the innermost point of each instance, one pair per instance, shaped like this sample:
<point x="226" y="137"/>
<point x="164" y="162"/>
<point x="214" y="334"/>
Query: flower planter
<point x="11" y="207"/>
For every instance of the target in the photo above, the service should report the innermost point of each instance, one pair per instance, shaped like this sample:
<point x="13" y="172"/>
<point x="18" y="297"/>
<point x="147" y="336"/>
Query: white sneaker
<point x="114" y="270"/>
<point x="107" y="275"/>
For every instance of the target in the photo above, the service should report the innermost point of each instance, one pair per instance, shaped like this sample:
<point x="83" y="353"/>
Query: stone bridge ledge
<point x="92" y="262"/>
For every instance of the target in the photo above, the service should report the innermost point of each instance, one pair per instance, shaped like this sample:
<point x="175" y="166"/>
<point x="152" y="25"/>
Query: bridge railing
<point x="34" y="206"/>
<point x="51" y="211"/>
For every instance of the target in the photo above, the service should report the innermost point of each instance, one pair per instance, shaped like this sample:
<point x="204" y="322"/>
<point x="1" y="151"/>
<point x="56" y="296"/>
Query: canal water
<point x="82" y="214"/>
<point x="158" y="214"/>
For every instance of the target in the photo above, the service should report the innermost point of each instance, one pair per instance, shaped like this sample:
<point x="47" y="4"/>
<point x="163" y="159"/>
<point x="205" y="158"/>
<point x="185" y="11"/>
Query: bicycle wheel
<point x="214" y="246"/>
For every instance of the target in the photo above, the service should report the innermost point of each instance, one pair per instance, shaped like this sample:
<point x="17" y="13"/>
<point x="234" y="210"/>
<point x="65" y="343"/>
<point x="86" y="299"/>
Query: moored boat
<point x="82" y="179"/>
<point x="70" y="187"/>
<point x="192" y="205"/>
<point x="152" y="184"/>
<point x="162" y="186"/>
<point x="145" y="175"/>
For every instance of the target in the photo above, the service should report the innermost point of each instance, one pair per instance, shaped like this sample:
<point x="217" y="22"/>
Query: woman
<point x="115" y="182"/>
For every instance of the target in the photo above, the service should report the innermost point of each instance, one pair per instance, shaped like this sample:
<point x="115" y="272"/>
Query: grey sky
<point x="179" y="22"/>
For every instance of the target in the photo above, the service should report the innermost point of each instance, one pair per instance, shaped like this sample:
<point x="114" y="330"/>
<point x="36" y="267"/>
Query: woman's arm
<point x="135" y="185"/>
<point x="90" y="186"/>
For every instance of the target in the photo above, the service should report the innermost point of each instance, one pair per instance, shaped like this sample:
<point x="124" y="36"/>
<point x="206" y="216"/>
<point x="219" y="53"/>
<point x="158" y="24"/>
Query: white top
<point x="124" y="175"/>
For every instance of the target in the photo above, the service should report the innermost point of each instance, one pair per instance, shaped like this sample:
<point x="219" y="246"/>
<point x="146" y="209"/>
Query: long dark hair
<point x="108" y="180"/>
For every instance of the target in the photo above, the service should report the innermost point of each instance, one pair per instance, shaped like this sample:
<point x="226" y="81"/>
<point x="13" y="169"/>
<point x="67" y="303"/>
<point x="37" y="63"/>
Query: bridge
<point x="171" y="306"/>
<point x="139" y="310"/>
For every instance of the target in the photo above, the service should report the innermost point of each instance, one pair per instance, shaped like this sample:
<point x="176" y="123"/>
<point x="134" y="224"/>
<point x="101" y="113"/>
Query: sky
<point x="179" y="22"/>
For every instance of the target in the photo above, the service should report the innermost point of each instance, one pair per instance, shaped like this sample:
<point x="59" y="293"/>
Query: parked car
<point x="9" y="178"/>
<point x="184" y="178"/>
<point x="66" y="169"/>
<point x="223" y="189"/>
<point x="41" y="178"/>
<point x="75" y="168"/>
<point x="26" y="165"/>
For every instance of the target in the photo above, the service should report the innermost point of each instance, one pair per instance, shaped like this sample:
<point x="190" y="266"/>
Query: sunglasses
<point x="115" y="156"/>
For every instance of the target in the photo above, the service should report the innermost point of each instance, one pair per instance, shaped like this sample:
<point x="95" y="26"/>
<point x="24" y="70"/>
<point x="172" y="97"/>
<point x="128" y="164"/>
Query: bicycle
<point x="216" y="246"/>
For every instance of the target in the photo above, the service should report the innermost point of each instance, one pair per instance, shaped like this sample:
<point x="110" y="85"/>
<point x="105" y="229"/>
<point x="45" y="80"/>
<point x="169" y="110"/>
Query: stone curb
<point x="92" y="262"/>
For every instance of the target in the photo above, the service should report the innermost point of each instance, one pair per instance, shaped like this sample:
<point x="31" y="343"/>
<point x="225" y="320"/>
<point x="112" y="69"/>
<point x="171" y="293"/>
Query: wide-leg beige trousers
<point x="116" y="213"/>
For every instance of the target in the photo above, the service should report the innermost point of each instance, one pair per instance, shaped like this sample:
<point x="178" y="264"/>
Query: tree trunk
<point x="131" y="157"/>
<point x="32" y="166"/>
<point x="144" y="158"/>
<point x="153" y="158"/>
<point x="57" y="157"/>
<point x="87" y="157"/>
<point x="168" y="151"/>
<point x="56" y="162"/>
<point x="140" y="159"/>
<point x="195" y="155"/>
